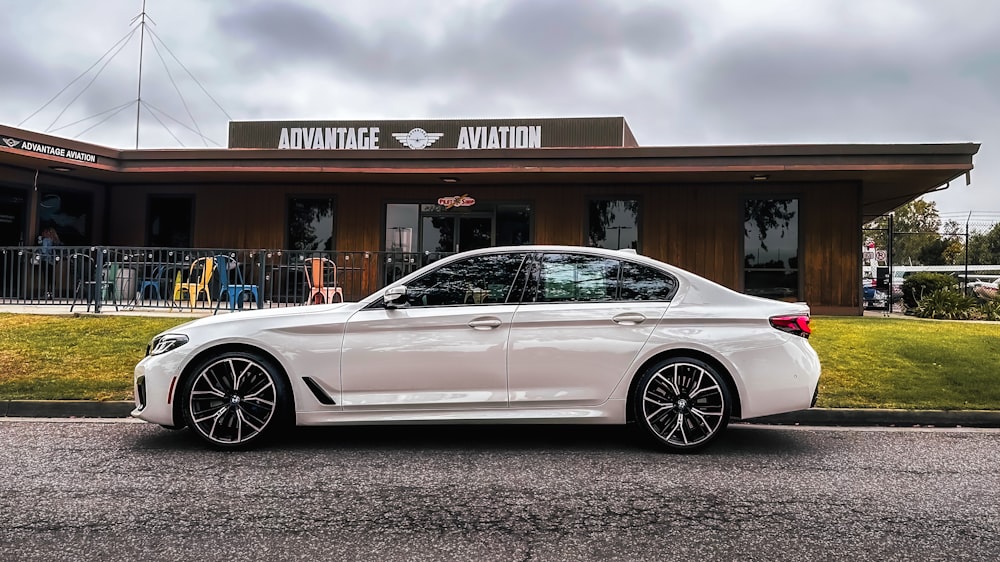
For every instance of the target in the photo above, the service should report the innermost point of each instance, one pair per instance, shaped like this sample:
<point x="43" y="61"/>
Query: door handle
<point x="629" y="318"/>
<point x="485" y="323"/>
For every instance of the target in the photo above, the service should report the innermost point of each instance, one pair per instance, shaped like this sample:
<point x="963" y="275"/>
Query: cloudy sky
<point x="682" y="72"/>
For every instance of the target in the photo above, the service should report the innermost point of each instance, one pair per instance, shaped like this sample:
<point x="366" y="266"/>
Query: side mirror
<point x="395" y="297"/>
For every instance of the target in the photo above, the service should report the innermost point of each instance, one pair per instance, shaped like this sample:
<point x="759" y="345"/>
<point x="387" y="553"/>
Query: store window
<point x="771" y="248"/>
<point x="310" y="223"/>
<point x="69" y="213"/>
<point x="12" y="217"/>
<point x="169" y="221"/>
<point x="613" y="223"/>
<point x="419" y="233"/>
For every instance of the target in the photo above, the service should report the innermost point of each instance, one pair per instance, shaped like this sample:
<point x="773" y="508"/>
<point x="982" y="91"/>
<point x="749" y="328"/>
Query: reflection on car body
<point x="526" y="334"/>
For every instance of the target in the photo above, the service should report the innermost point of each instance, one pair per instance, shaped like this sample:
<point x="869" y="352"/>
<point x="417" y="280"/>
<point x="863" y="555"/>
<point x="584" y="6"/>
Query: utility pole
<point x="142" y="41"/>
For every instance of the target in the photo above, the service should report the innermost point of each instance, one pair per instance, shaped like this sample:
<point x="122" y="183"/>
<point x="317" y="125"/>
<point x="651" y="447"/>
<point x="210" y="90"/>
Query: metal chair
<point x="199" y="276"/>
<point x="232" y="287"/>
<point x="322" y="287"/>
<point x="88" y="283"/>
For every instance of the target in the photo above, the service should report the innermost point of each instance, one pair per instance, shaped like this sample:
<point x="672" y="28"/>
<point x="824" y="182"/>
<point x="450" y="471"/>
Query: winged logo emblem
<point x="417" y="138"/>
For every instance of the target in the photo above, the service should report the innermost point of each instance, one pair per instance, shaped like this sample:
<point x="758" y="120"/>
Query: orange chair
<point x="321" y="274"/>
<point x="196" y="285"/>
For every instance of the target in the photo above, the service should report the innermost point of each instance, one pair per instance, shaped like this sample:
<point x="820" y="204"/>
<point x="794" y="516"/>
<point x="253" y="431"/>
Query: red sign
<point x="456" y="201"/>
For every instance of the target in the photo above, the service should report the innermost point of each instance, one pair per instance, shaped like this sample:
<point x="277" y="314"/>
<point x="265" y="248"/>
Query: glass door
<point x="449" y="233"/>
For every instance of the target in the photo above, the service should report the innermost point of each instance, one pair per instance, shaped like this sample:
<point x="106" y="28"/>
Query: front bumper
<point x="154" y="385"/>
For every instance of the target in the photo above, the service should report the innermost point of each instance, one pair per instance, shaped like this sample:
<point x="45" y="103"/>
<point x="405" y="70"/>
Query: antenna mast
<point x="142" y="41"/>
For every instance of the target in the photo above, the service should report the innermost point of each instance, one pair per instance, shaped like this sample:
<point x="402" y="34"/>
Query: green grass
<point x="875" y="362"/>
<point x="868" y="362"/>
<point x="64" y="357"/>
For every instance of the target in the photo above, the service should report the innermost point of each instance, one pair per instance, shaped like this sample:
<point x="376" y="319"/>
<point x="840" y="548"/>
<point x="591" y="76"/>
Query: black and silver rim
<point x="684" y="404"/>
<point x="232" y="400"/>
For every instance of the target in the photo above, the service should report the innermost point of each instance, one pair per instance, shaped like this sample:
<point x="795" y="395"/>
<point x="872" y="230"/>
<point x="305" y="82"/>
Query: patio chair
<point x="88" y="283"/>
<point x="321" y="276"/>
<point x="199" y="276"/>
<point x="232" y="287"/>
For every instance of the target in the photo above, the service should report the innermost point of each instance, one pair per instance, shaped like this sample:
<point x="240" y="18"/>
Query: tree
<point x="916" y="235"/>
<point x="984" y="249"/>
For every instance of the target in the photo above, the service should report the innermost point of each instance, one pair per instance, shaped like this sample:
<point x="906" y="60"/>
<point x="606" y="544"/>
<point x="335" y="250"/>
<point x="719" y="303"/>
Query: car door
<point x="583" y="321"/>
<point x="444" y="348"/>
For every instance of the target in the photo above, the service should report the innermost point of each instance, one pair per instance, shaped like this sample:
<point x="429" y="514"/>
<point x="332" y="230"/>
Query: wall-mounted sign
<point x="456" y="201"/>
<point x="40" y="148"/>
<point x="471" y="134"/>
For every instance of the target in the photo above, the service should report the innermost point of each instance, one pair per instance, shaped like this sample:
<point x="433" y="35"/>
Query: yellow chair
<point x="197" y="282"/>
<point x="321" y="274"/>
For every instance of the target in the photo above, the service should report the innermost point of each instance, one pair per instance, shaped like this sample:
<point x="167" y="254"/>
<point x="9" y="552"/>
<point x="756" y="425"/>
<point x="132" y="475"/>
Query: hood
<point x="266" y="314"/>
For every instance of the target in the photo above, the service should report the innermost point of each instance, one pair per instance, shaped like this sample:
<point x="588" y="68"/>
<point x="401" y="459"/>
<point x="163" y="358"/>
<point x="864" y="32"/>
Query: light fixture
<point x="760" y="177"/>
<point x="449" y="179"/>
<point x="60" y="168"/>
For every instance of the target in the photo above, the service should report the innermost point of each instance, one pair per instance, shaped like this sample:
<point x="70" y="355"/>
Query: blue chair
<point x="232" y="287"/>
<point x="157" y="283"/>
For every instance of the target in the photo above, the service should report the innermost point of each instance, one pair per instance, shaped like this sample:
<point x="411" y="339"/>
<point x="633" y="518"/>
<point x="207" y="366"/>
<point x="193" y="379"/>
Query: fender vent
<point x="318" y="392"/>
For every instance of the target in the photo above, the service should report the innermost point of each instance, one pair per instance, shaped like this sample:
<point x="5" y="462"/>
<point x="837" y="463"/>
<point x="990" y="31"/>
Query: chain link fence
<point x="965" y="246"/>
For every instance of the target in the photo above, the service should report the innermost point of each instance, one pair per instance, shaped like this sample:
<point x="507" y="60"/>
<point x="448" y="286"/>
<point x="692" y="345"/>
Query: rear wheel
<point x="683" y="404"/>
<point x="235" y="400"/>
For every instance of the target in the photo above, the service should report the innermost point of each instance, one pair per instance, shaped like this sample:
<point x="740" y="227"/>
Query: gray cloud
<point x="682" y="72"/>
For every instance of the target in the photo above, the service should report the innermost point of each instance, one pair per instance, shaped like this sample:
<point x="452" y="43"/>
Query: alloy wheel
<point x="684" y="404"/>
<point x="233" y="400"/>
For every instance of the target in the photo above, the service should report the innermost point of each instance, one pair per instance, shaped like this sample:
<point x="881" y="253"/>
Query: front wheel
<point x="683" y="404"/>
<point x="235" y="400"/>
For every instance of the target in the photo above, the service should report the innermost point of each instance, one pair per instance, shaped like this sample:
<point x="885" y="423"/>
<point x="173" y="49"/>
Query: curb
<point x="887" y="417"/>
<point x="65" y="409"/>
<point x="812" y="416"/>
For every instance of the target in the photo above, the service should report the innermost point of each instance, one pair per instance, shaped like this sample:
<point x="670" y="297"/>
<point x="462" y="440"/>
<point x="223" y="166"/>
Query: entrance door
<point x="449" y="233"/>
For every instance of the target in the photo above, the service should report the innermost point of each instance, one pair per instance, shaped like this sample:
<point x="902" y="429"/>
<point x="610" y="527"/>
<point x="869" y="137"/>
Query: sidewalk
<point x="813" y="416"/>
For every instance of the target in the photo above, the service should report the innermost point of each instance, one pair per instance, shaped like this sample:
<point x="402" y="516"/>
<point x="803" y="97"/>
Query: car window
<point x="483" y="279"/>
<point x="576" y="278"/>
<point x="644" y="283"/>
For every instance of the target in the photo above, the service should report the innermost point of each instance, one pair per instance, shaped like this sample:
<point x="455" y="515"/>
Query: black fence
<point x="96" y="277"/>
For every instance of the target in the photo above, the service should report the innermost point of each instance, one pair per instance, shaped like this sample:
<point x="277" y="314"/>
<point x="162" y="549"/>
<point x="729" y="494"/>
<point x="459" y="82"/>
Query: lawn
<point x="868" y="362"/>
<point x="45" y="357"/>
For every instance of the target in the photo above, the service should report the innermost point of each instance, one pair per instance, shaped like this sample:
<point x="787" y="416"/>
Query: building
<point x="782" y="221"/>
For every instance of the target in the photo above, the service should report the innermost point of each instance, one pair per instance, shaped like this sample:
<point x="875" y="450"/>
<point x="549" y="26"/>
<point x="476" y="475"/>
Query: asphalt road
<point x="114" y="490"/>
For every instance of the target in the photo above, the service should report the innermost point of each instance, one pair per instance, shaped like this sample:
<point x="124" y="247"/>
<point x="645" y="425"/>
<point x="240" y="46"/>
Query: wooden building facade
<point x="782" y="221"/>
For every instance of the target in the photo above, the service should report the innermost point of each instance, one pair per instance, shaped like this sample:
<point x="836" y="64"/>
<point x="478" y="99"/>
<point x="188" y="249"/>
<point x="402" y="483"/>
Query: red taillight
<point x="798" y="325"/>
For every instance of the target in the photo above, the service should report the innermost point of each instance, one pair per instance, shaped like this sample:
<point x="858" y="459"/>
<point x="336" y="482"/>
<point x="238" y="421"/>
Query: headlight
<point x="166" y="342"/>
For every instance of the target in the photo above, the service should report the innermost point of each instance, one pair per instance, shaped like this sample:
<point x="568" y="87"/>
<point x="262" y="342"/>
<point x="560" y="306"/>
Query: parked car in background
<point x="524" y="334"/>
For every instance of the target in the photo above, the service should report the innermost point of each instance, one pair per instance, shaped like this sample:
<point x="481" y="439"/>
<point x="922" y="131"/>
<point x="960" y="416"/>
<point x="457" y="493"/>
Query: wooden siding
<point x="696" y="227"/>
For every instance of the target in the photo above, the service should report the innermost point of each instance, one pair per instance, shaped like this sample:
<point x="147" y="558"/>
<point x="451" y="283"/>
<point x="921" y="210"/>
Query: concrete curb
<point x="66" y="409"/>
<point x="812" y="416"/>
<point x="878" y="417"/>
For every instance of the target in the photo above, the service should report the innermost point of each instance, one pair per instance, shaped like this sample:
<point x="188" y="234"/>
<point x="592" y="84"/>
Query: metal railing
<point x="96" y="277"/>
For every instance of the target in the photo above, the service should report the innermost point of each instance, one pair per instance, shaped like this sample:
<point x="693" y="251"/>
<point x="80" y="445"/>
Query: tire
<point x="236" y="400"/>
<point x="683" y="404"/>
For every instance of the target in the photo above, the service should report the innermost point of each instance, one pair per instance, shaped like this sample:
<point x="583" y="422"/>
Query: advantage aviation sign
<point x="417" y="135"/>
<point x="40" y="148"/>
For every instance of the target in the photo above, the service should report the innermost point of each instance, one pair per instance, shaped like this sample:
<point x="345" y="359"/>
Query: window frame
<point x="640" y="206"/>
<point x="799" y="239"/>
<point x="290" y="199"/>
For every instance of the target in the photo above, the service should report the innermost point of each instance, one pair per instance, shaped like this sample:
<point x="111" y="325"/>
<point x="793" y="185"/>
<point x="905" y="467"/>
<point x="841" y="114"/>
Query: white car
<point x="524" y="334"/>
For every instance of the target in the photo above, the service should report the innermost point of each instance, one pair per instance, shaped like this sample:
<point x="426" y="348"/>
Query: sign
<point x="50" y="150"/>
<point x="456" y="201"/>
<point x="471" y="134"/>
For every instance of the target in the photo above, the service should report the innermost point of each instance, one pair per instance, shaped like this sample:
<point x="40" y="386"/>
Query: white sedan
<point x="525" y="334"/>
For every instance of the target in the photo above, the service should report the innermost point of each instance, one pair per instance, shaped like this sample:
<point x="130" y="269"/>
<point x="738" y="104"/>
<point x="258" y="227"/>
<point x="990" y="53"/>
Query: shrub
<point x="945" y="304"/>
<point x="917" y="285"/>
<point x="991" y="310"/>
